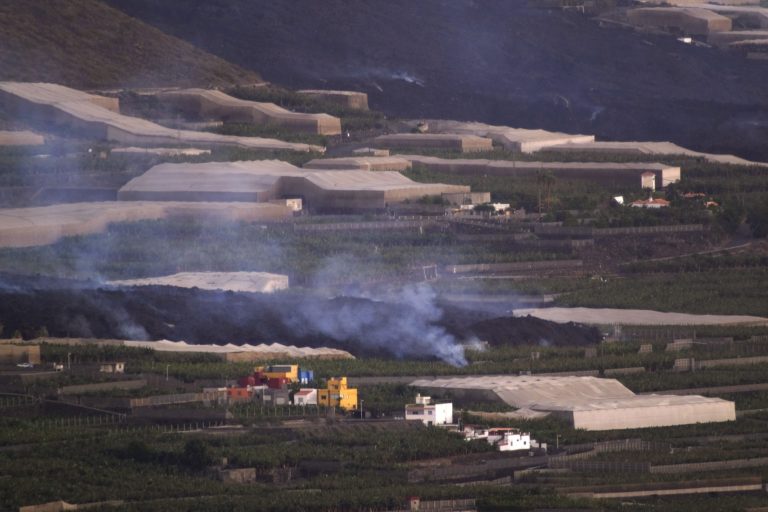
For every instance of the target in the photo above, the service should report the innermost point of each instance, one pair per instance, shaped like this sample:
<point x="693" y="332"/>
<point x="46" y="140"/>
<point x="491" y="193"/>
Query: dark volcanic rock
<point x="362" y="326"/>
<point x="533" y="331"/>
<point x="502" y="62"/>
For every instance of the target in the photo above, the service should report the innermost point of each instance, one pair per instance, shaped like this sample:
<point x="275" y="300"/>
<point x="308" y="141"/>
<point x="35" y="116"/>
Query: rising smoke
<point x="402" y="324"/>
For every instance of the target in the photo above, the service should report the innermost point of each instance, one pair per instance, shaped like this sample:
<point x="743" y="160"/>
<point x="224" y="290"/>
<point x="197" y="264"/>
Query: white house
<point x="514" y="441"/>
<point x="305" y="396"/>
<point x="428" y="413"/>
<point x="509" y="439"/>
<point x="650" y="203"/>
<point x="117" y="367"/>
<point x="472" y="432"/>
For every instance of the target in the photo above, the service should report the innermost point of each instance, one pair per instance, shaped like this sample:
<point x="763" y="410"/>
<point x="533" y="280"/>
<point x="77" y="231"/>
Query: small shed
<point x="305" y="396"/>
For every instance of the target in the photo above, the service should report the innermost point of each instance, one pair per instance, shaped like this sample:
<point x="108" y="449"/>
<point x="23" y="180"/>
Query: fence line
<point x="694" y="467"/>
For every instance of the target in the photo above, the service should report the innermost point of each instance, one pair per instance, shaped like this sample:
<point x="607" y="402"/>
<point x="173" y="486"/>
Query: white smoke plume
<point x="405" y="326"/>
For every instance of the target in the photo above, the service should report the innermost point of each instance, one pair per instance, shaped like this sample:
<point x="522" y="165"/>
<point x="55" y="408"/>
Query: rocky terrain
<point x="364" y="327"/>
<point x="498" y="62"/>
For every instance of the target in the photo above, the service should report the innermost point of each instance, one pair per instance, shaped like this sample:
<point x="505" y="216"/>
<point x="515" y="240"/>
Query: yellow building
<point x="338" y="394"/>
<point x="280" y="371"/>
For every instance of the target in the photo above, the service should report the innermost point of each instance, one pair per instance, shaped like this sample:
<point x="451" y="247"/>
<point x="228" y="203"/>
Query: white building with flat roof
<point x="428" y="413"/>
<point x="590" y="403"/>
<point x="305" y="396"/>
<point x="509" y="439"/>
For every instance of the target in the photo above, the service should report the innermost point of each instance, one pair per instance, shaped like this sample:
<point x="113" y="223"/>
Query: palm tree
<point x="545" y="181"/>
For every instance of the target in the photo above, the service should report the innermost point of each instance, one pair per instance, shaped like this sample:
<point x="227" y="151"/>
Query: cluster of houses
<point x="275" y="385"/>
<point x="441" y="414"/>
<point x="657" y="202"/>
<point x="505" y="439"/>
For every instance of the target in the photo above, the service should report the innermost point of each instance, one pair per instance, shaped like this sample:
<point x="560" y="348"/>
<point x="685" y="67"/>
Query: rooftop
<point x="249" y="180"/>
<point x="92" y="109"/>
<point x="259" y="282"/>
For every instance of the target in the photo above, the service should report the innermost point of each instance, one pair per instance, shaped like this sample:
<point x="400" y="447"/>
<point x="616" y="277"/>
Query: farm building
<point x="25" y="227"/>
<point x="725" y="39"/>
<point x="370" y="163"/>
<point x="98" y="117"/>
<point x="467" y="198"/>
<point x="590" y="403"/>
<point x="15" y="354"/>
<point x="254" y="282"/>
<point x="643" y="148"/>
<point x="265" y="180"/>
<point x="20" y="138"/>
<point x="429" y="413"/>
<point x="747" y="16"/>
<point x="210" y="104"/>
<point x="443" y="141"/>
<point x="370" y="152"/>
<point x="683" y="20"/>
<point x="514" y="139"/>
<point x="346" y="99"/>
<point x="632" y="175"/>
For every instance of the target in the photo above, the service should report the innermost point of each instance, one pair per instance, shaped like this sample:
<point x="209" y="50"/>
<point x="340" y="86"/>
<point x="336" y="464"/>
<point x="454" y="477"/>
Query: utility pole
<point x="167" y="366"/>
<point x="362" y="417"/>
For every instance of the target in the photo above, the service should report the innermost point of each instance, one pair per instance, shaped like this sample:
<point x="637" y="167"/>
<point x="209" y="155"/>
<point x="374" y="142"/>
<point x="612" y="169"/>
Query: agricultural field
<point x="383" y="291"/>
<point x="87" y="458"/>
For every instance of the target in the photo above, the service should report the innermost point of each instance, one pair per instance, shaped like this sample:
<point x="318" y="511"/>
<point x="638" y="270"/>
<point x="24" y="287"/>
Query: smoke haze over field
<point x="407" y="327"/>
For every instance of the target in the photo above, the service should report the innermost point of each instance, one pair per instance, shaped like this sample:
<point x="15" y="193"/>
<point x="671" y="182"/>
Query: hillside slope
<point x="85" y="43"/>
<point x="491" y="60"/>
